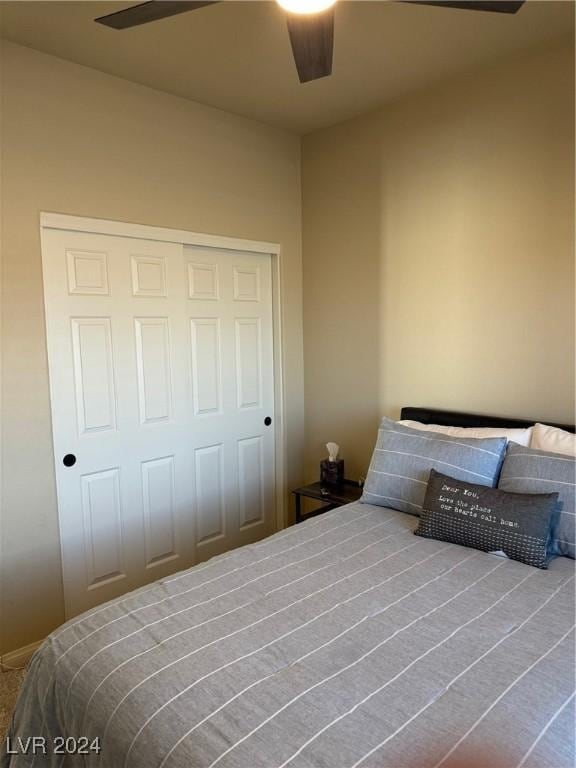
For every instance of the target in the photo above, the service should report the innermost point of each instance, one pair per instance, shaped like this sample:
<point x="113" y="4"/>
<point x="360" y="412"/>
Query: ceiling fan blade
<point x="495" y="6"/>
<point x="150" y="11"/>
<point x="312" y="40"/>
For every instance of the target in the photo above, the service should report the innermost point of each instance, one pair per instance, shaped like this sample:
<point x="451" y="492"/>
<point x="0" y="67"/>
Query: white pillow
<point x="520" y="436"/>
<point x="553" y="439"/>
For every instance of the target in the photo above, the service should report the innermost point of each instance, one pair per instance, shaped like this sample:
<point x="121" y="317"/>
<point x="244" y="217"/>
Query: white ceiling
<point x="236" y="55"/>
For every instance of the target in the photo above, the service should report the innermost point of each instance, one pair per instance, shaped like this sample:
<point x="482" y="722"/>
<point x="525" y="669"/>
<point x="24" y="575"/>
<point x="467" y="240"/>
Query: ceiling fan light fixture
<point x="305" y="6"/>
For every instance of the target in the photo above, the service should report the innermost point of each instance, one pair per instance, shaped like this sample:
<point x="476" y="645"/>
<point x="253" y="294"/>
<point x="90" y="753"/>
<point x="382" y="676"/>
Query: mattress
<point x="344" y="641"/>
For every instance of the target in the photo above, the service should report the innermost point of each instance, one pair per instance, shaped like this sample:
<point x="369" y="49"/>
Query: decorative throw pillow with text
<point x="517" y="525"/>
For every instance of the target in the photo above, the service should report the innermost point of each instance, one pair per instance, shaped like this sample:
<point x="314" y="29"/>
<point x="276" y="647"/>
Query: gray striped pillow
<point x="526" y="470"/>
<point x="403" y="458"/>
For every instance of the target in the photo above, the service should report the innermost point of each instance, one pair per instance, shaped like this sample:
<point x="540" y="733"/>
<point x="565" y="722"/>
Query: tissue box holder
<point x="332" y="472"/>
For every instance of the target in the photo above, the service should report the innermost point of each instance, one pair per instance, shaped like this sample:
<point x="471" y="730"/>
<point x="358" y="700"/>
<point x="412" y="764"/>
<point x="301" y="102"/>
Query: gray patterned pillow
<point x="403" y="458"/>
<point x="526" y="470"/>
<point x="516" y="524"/>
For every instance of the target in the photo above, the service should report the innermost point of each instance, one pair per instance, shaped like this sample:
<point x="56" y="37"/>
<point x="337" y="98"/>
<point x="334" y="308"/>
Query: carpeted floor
<point x="9" y="686"/>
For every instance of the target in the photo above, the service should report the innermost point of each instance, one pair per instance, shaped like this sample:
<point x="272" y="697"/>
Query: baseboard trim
<point x="19" y="658"/>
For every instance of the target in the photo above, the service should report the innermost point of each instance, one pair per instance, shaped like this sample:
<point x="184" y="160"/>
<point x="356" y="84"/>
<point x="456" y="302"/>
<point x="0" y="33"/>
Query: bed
<point x="344" y="641"/>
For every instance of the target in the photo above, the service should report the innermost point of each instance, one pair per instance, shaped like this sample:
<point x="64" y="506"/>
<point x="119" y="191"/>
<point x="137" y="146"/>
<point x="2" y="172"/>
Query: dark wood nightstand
<point x="334" y="496"/>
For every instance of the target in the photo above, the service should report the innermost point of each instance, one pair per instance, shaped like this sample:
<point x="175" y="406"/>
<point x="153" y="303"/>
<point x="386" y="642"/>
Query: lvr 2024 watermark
<point x="59" y="745"/>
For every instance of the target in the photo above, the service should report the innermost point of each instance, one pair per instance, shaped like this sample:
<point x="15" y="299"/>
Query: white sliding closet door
<point x="229" y="317"/>
<point x="162" y="393"/>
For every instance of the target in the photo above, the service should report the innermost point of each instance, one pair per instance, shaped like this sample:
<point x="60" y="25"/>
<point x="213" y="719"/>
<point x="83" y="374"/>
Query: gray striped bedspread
<point x="345" y="641"/>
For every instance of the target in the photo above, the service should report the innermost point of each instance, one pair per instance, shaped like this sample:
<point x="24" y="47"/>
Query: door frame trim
<point x="49" y="220"/>
<point x="150" y="232"/>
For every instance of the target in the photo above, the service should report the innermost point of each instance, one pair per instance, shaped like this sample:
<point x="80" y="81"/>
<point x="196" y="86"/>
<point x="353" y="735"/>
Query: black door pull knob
<point x="69" y="460"/>
<point x="267" y="421"/>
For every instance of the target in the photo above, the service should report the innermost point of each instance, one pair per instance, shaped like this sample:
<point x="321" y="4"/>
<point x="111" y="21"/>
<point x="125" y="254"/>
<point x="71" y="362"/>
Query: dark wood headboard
<point x="457" y="419"/>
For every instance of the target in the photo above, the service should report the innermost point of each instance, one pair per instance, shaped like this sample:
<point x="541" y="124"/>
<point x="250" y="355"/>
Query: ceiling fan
<point x="310" y="24"/>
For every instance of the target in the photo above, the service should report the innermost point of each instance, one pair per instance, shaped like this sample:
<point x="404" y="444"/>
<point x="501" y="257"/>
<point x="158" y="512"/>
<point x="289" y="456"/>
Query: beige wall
<point x="438" y="242"/>
<point x="80" y="142"/>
